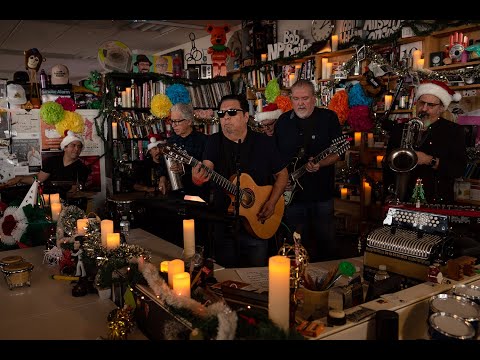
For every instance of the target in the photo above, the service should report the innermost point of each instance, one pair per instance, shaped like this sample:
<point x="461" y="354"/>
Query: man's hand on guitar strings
<point x="200" y="174"/>
<point x="311" y="167"/>
<point x="266" y="211"/>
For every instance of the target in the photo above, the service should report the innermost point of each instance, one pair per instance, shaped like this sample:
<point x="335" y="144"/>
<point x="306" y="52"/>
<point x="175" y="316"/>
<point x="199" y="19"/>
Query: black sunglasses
<point x="230" y="112"/>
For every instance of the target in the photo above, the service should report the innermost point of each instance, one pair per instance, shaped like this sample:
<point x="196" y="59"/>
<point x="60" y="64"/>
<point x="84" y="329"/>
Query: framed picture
<point x="175" y="56"/>
<point x="142" y="63"/>
<point x="206" y="71"/>
<point x="162" y="64"/>
<point x="193" y="71"/>
<point x="436" y="58"/>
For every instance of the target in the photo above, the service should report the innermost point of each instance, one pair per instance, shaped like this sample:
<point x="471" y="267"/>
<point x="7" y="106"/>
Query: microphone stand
<point x="237" y="204"/>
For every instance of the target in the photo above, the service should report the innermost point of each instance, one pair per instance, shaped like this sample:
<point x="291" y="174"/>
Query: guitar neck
<point x="303" y="169"/>
<point x="216" y="177"/>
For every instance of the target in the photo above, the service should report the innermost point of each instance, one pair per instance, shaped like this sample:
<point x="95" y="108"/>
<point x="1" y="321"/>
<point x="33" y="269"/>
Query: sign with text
<point x="291" y="45"/>
<point x="372" y="30"/>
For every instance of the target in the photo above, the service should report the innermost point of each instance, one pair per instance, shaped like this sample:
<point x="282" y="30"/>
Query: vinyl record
<point x="115" y="56"/>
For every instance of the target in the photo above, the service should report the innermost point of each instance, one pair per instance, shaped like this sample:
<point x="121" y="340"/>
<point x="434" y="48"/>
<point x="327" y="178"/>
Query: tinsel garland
<point x="120" y="323"/>
<point x="67" y="221"/>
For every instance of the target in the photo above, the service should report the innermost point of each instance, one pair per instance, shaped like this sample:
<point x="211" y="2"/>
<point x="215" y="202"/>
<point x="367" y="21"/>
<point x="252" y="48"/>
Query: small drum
<point x="443" y="326"/>
<point x="119" y="205"/>
<point x="17" y="274"/>
<point x="9" y="260"/>
<point x="471" y="292"/>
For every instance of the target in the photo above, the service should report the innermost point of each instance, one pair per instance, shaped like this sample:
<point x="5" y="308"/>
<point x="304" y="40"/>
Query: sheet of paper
<point x="257" y="278"/>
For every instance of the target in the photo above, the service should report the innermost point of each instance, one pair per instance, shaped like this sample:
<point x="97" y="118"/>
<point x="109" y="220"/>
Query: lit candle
<point x="324" y="68"/>
<point x="106" y="227"/>
<point x="263" y="57"/>
<point x="379" y="161"/>
<point x="367" y="193"/>
<point x="181" y="284"/>
<point x="259" y="105"/>
<point x="279" y="291"/>
<point x="46" y="199"/>
<point x="358" y="138"/>
<point x="56" y="209"/>
<point x="174" y="267"/>
<point x="329" y="70"/>
<point x="388" y="101"/>
<point x="420" y="64"/>
<point x="128" y="94"/>
<point x="164" y="266"/>
<point x="188" y="238"/>
<point x="343" y="193"/>
<point x="114" y="130"/>
<point x="291" y="79"/>
<point x="124" y="99"/>
<point x="370" y="139"/>
<point x="81" y="226"/>
<point x="54" y="198"/>
<point x="334" y="42"/>
<point x="417" y="54"/>
<point x="113" y="240"/>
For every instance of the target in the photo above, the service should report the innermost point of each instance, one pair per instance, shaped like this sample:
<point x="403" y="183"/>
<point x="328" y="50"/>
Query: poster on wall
<point x="93" y="142"/>
<point x="162" y="64"/>
<point x="27" y="152"/>
<point x="24" y="121"/>
<point x="4" y="124"/>
<point x="50" y="137"/>
<point x="142" y="63"/>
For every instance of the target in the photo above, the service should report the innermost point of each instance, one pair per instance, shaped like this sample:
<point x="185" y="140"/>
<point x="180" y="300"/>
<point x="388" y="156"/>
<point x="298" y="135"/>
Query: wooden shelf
<point x="462" y="28"/>
<point x="454" y="66"/>
<point x="465" y="87"/>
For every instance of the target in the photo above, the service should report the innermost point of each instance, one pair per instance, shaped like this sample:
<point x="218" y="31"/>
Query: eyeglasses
<point x="422" y="103"/>
<point x="230" y="112"/>
<point x="267" y="126"/>
<point x="177" y="122"/>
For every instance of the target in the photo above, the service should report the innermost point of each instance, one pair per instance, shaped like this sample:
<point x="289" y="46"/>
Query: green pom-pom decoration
<point x="272" y="91"/>
<point x="52" y="112"/>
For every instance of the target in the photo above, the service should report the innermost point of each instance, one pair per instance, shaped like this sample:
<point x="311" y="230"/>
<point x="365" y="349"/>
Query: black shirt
<point x="76" y="172"/>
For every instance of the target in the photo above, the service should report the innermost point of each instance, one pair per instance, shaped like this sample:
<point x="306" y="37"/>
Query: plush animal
<point x="33" y="59"/>
<point x="219" y="51"/>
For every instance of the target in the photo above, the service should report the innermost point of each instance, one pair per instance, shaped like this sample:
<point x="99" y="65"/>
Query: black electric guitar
<point x="252" y="197"/>
<point x="338" y="146"/>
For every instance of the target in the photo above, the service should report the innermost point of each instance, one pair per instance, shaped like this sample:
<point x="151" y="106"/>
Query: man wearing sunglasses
<point x="440" y="147"/>
<point x="192" y="141"/>
<point x="237" y="149"/>
<point x="301" y="134"/>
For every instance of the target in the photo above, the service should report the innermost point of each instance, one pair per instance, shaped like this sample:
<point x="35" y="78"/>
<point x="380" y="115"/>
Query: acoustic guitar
<point x="252" y="196"/>
<point x="338" y="146"/>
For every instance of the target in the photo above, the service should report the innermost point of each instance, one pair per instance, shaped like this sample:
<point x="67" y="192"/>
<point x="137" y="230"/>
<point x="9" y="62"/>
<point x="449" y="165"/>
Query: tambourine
<point x="444" y="326"/>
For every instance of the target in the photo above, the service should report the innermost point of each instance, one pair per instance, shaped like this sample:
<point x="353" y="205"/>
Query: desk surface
<point x="47" y="310"/>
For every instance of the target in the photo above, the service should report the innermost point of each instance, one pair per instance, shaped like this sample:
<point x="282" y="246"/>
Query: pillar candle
<point x="188" y="238"/>
<point x="370" y="139"/>
<point x="56" y="209"/>
<point x="417" y="54"/>
<point x="343" y="193"/>
<point x="164" y="266"/>
<point x="124" y="99"/>
<point x="113" y="240"/>
<point x="379" y="161"/>
<point x="54" y="198"/>
<point x="279" y="291"/>
<point x="114" y="130"/>
<point x="81" y="226"/>
<point x="181" y="284"/>
<point x="174" y="267"/>
<point x="259" y="105"/>
<point x="358" y="138"/>
<point x="334" y="42"/>
<point x="106" y="227"/>
<point x="129" y="96"/>
<point x="324" y="68"/>
<point x="388" y="101"/>
<point x="329" y="70"/>
<point x="420" y="64"/>
<point x="367" y="193"/>
<point x="46" y="199"/>
<point x="291" y="79"/>
<point x="263" y="57"/>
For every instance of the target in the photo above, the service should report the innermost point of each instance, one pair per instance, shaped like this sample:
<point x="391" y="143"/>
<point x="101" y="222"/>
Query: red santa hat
<point x="269" y="112"/>
<point x="438" y="89"/>
<point x="155" y="140"/>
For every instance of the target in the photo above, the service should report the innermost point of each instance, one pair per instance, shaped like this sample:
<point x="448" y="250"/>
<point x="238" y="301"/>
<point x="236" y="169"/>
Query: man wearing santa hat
<point x="440" y="147"/>
<point x="267" y="118"/>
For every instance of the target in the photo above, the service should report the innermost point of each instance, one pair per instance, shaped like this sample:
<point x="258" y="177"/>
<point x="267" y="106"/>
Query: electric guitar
<point x="252" y="197"/>
<point x="338" y="146"/>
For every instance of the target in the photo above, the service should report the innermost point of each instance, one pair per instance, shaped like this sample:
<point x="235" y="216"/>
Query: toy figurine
<point x="218" y="51"/>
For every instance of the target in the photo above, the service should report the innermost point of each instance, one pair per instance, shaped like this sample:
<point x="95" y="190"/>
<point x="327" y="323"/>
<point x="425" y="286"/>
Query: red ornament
<point x="9" y="223"/>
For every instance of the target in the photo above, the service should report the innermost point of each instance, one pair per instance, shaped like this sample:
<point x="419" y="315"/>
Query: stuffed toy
<point x="33" y="61"/>
<point x="218" y="50"/>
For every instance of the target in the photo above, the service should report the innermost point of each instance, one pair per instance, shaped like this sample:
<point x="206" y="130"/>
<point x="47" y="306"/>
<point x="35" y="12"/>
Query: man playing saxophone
<point x="438" y="148"/>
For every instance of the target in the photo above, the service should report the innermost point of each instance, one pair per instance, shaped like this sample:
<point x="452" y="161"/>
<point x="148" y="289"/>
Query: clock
<point x="321" y="29"/>
<point x="436" y="59"/>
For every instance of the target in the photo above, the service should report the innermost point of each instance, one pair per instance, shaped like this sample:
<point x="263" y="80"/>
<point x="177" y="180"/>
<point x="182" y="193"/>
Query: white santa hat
<point x="269" y="112"/>
<point x="154" y="142"/>
<point x="438" y="89"/>
<point x="70" y="137"/>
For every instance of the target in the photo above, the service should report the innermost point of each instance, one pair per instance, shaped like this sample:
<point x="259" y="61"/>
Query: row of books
<point x="209" y="95"/>
<point x="126" y="130"/>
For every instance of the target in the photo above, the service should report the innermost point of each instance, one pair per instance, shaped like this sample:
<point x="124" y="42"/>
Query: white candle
<point x="343" y="193"/>
<point x="417" y="54"/>
<point x="129" y="97"/>
<point x="263" y="57"/>
<point x="370" y="139"/>
<point x="388" y="101"/>
<point x="367" y="193"/>
<point x="174" y="267"/>
<point x="379" y="161"/>
<point x="420" y="64"/>
<point x="124" y="99"/>
<point x="279" y="291"/>
<point x="81" y="226"/>
<point x="358" y="138"/>
<point x="56" y="210"/>
<point x="114" y="130"/>
<point x="181" y="284"/>
<point x="329" y="70"/>
<point x="291" y="79"/>
<point x="188" y="238"/>
<point x="106" y="227"/>
<point x="334" y="42"/>
<point x="164" y="266"/>
<point x="46" y="199"/>
<point x="113" y="240"/>
<point x="54" y="198"/>
<point x="324" y="68"/>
